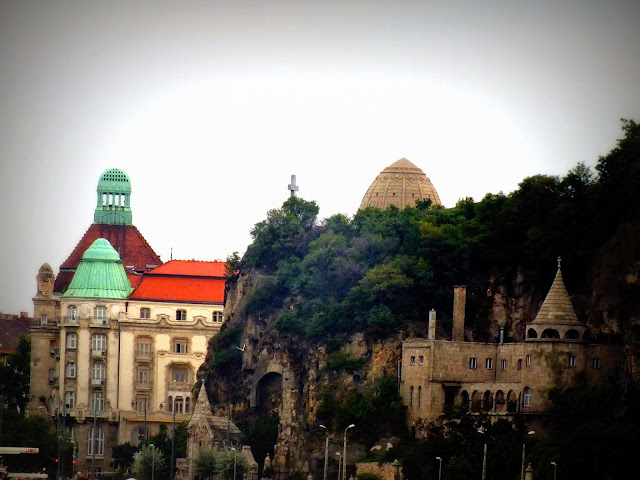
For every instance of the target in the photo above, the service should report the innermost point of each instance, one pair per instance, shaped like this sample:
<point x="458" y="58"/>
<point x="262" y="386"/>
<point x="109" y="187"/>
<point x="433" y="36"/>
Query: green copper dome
<point x="114" y="197"/>
<point x="100" y="274"/>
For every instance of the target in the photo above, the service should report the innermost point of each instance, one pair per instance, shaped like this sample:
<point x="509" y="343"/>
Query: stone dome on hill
<point x="401" y="184"/>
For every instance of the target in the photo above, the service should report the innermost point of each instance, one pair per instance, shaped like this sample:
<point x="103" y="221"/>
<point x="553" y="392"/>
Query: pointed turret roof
<point x="557" y="308"/>
<point x="202" y="404"/>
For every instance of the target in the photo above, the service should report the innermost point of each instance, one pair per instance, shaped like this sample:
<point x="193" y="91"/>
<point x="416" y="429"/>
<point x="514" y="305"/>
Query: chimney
<point x="432" y="325"/>
<point x="459" y="301"/>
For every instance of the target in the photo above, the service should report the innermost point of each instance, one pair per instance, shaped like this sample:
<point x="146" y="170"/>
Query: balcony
<point x="145" y="386"/>
<point x="70" y="321"/>
<point x="97" y="382"/>
<point x="99" y="322"/>
<point x="98" y="353"/>
<point x="144" y="356"/>
<point x="180" y="386"/>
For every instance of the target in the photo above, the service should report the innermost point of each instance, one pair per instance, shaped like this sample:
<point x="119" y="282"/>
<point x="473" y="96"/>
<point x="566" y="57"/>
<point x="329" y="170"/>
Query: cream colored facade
<point x="109" y="359"/>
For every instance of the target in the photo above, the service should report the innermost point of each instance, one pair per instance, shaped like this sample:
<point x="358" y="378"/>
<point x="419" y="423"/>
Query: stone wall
<point x="386" y="471"/>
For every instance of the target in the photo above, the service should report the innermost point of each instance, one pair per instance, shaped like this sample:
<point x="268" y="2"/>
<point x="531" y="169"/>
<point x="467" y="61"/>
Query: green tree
<point x="14" y="376"/>
<point x="220" y="464"/>
<point x="151" y="463"/>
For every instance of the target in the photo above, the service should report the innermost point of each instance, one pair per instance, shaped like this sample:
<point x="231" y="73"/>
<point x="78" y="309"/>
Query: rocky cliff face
<point x="285" y="376"/>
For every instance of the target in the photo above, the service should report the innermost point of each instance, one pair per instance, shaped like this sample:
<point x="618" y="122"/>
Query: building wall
<point x="430" y="368"/>
<point x="123" y="329"/>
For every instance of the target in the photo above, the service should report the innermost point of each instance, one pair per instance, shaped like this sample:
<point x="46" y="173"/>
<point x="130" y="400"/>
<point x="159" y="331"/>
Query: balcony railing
<point x="98" y="353"/>
<point x="144" y="355"/>
<point x="97" y="382"/>
<point x="70" y="320"/>
<point x="99" y="322"/>
<point x="144" y="385"/>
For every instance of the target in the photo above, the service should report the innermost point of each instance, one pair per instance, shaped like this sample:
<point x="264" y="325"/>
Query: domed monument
<point x="401" y="184"/>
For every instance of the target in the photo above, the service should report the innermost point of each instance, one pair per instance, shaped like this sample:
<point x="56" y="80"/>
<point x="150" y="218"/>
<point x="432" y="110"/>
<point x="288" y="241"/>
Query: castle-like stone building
<point x="500" y="378"/>
<point x="118" y="336"/>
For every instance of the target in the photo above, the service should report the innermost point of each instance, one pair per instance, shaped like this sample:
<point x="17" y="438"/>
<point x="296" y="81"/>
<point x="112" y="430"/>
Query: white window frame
<point x="97" y="402"/>
<point x="217" y="317"/>
<point x="72" y="312"/>
<point x="70" y="400"/>
<point x="572" y="360"/>
<point x="145" y="313"/>
<point x="527" y="397"/>
<point x="70" y="370"/>
<point x="528" y="360"/>
<point x="99" y="342"/>
<point x="503" y="365"/>
<point x="143" y="375"/>
<point x="72" y="341"/>
<point x="147" y="343"/>
<point x="174" y="371"/>
<point x="473" y="363"/>
<point x="181" y="315"/>
<point x="181" y="345"/>
<point x="99" y="440"/>
<point x="100" y="312"/>
<point x="98" y="371"/>
<point x="488" y="364"/>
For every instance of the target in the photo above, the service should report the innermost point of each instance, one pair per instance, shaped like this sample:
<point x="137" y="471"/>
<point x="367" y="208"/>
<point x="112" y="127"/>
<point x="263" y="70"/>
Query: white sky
<point x="211" y="106"/>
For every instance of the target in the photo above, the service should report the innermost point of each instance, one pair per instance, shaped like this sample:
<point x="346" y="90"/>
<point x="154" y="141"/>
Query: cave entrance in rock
<point x="269" y="394"/>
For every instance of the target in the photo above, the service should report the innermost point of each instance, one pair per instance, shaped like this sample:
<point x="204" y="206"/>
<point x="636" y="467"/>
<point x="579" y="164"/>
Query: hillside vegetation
<point x="381" y="271"/>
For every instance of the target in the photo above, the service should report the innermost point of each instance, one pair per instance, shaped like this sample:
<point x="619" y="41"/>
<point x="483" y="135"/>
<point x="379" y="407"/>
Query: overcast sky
<point x="211" y="106"/>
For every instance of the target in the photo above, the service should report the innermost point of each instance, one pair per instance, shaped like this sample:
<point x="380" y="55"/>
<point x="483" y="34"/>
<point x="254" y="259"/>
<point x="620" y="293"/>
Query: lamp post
<point x="439" y="468"/>
<point x="173" y="440"/>
<point x="344" y="453"/>
<point x="484" y="455"/>
<point x="339" y="464"/>
<point x="234" y="462"/>
<point x="153" y="460"/>
<point x="524" y="442"/>
<point x="326" y="453"/>
<point x="555" y="469"/>
<point x="93" y="440"/>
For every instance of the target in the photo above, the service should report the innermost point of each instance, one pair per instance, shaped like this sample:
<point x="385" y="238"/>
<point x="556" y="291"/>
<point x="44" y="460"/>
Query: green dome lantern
<point x="114" y="196"/>
<point x="100" y="274"/>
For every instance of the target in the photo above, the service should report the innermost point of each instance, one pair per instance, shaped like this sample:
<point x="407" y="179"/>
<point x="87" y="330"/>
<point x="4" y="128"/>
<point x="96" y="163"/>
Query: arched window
<point x="96" y="442"/>
<point x="419" y="396"/>
<point x="527" y="397"/>
<point x="550" y="333"/>
<point x="411" y="396"/>
<point x="531" y="333"/>
<point x="72" y="312"/>
<point x="138" y="435"/>
<point x="512" y="402"/>
<point x="487" y="401"/>
<point x="572" y="334"/>
<point x="476" y="401"/>
<point x="500" y="401"/>
<point x="464" y="402"/>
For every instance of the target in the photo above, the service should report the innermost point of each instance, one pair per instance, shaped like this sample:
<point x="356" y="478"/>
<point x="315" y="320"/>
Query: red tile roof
<point x="171" y="288"/>
<point x="126" y="239"/>
<point x="191" y="268"/>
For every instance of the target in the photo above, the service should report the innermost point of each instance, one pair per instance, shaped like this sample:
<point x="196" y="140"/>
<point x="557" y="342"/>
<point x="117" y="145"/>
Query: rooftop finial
<point x="559" y="262"/>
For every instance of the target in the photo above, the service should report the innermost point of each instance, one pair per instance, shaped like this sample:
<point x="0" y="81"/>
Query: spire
<point x="557" y="307"/>
<point x="202" y="404"/>
<point x="114" y="197"/>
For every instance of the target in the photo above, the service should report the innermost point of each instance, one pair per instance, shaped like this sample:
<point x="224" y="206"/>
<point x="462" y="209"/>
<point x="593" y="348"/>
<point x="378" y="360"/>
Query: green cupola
<point x="114" y="196"/>
<point x="100" y="274"/>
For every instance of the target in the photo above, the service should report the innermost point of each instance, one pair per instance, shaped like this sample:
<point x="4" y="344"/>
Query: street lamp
<point x="234" y="462"/>
<point x="344" y="454"/>
<point x="326" y="453"/>
<point x="484" y="455"/>
<point x="524" y="440"/>
<point x="555" y="469"/>
<point x="339" y="463"/>
<point x="439" y="468"/>
<point x="153" y="459"/>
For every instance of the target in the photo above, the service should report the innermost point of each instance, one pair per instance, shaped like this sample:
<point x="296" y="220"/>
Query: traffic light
<point x="57" y="460"/>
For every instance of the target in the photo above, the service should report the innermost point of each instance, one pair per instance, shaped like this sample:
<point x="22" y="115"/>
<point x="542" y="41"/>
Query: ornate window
<point x="143" y="375"/>
<point x="527" y="398"/>
<point x="143" y="346"/>
<point x="181" y="345"/>
<point x="179" y="374"/>
<point x="96" y="442"/>
<point x="70" y="370"/>
<point x="72" y="341"/>
<point x="145" y="312"/>
<point x="181" y="314"/>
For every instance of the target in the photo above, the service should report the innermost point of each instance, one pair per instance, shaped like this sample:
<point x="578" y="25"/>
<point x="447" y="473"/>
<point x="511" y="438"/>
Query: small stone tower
<point x="114" y="197"/>
<point x="45" y="279"/>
